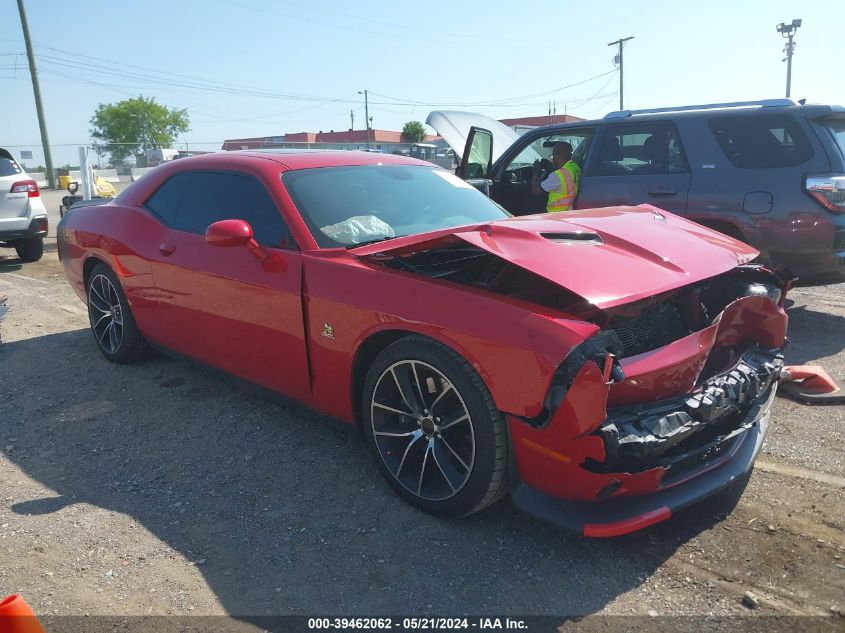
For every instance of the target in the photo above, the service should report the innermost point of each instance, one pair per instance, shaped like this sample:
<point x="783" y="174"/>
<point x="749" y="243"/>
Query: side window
<point x="168" y="197"/>
<point x="479" y="152"/>
<point x="541" y="149"/>
<point x="208" y="197"/>
<point x="649" y="148"/>
<point x="8" y="167"/>
<point x="762" y="141"/>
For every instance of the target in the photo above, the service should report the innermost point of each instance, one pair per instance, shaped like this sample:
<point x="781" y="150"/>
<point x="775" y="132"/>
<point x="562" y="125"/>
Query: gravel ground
<point x="161" y="488"/>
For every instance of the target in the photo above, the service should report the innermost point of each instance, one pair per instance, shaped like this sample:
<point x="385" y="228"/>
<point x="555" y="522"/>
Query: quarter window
<point x="191" y="201"/>
<point x="772" y="140"/>
<point x="167" y="198"/>
<point x="8" y="167"/>
<point x="639" y="149"/>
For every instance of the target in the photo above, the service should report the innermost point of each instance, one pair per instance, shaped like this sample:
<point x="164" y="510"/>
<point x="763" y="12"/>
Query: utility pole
<point x="788" y="31"/>
<point x="620" y="43"/>
<point x="366" y="116"/>
<point x="39" y="108"/>
<point x="144" y="130"/>
<point x="352" y="119"/>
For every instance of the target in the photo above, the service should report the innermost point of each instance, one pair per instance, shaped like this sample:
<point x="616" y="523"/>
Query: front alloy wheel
<point x="423" y="430"/>
<point x="429" y="418"/>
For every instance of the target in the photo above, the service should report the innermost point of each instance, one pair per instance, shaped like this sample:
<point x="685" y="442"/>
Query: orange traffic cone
<point x="17" y="617"/>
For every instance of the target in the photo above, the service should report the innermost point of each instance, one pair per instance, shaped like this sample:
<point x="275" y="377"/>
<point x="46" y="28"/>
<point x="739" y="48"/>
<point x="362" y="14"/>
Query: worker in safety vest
<point x="562" y="184"/>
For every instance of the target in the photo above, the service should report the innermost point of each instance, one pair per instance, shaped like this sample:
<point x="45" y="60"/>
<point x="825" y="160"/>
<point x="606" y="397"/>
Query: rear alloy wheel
<point x="30" y="250"/>
<point x="112" y="323"/>
<point x="430" y="420"/>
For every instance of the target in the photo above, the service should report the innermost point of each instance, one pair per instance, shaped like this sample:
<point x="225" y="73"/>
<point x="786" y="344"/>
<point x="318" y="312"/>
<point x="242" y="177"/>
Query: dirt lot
<point x="160" y="488"/>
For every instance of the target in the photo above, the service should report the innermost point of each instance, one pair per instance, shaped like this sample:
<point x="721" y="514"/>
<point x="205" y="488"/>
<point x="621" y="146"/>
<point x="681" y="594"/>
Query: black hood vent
<point x="573" y="237"/>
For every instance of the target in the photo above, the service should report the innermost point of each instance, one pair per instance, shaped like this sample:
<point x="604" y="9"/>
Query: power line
<point x="493" y="103"/>
<point x="152" y="76"/>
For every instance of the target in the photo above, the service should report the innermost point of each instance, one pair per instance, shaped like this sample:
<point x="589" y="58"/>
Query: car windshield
<point x="350" y="206"/>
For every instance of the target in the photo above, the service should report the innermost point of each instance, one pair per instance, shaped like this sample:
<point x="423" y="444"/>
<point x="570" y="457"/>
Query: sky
<point x="247" y="68"/>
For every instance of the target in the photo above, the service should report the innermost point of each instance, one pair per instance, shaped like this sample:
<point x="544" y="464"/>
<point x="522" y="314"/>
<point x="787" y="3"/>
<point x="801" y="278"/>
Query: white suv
<point x="23" y="216"/>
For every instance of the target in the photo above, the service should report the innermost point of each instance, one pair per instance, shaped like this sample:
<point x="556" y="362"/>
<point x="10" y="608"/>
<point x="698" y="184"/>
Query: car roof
<point x="810" y="111"/>
<point x="306" y="158"/>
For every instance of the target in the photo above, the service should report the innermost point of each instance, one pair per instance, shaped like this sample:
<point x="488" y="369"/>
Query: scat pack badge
<point x="328" y="331"/>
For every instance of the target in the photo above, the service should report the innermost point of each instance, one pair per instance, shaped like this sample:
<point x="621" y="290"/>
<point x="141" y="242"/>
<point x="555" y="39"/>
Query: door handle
<point x="167" y="249"/>
<point x="663" y="192"/>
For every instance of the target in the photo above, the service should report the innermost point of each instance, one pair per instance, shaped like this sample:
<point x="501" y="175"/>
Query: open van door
<point x="477" y="140"/>
<point x="454" y="126"/>
<point x="477" y="159"/>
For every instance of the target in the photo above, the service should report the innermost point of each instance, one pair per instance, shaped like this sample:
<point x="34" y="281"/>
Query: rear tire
<point x="438" y="439"/>
<point x="112" y="323"/>
<point x="30" y="250"/>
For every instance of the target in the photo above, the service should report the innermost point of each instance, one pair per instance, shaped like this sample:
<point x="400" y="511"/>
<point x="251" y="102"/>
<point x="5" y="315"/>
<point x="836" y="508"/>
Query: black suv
<point x="770" y="173"/>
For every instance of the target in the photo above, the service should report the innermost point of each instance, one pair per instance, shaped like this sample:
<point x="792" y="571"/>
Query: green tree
<point x="413" y="132"/>
<point x="122" y="129"/>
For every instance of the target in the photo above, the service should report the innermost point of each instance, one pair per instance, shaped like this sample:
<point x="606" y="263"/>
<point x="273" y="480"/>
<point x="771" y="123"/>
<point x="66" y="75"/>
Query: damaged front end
<point x="667" y="401"/>
<point x="667" y="404"/>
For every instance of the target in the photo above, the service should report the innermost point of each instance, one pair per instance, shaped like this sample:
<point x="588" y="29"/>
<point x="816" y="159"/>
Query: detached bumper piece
<point x="680" y="431"/>
<point x="811" y="384"/>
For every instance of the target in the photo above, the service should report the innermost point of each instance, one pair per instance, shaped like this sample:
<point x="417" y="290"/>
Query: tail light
<point x="829" y="191"/>
<point x="30" y="187"/>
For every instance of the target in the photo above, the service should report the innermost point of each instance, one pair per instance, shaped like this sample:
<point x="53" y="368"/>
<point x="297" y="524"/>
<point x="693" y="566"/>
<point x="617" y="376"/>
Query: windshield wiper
<point x="372" y="241"/>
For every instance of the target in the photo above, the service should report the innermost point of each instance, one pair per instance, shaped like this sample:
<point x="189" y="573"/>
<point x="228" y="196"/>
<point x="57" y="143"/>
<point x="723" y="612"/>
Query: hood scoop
<point x="574" y="237"/>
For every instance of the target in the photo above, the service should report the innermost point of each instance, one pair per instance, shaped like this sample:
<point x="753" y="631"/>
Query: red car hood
<point x="608" y="256"/>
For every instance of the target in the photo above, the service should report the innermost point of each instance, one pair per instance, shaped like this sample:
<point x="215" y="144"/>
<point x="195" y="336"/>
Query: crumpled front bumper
<point x="722" y="463"/>
<point x="666" y="433"/>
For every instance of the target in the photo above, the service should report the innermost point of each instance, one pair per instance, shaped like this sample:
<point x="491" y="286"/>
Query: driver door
<point x="219" y="304"/>
<point x="477" y="159"/>
<point x="512" y="182"/>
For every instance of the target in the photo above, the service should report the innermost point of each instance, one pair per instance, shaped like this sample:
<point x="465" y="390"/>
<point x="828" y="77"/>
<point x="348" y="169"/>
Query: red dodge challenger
<point x="604" y="367"/>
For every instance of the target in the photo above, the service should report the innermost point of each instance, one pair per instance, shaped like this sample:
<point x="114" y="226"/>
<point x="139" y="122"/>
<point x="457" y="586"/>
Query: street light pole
<point x="36" y="89"/>
<point x="788" y="31"/>
<point x="620" y="43"/>
<point x="366" y="116"/>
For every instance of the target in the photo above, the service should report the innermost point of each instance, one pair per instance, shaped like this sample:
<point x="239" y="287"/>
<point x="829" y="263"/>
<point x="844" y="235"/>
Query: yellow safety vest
<point x="561" y="199"/>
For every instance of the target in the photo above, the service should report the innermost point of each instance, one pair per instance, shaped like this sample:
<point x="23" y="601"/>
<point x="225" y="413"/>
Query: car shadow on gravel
<point x="809" y="327"/>
<point x="281" y="510"/>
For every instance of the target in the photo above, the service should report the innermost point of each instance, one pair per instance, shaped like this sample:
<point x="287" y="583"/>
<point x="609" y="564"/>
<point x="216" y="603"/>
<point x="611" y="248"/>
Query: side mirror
<point x="229" y="233"/>
<point x="73" y="187"/>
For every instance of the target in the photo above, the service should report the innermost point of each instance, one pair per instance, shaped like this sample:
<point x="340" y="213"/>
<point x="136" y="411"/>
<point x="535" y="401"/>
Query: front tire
<point x="30" y="250"/>
<point x="434" y="429"/>
<point x="112" y="323"/>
